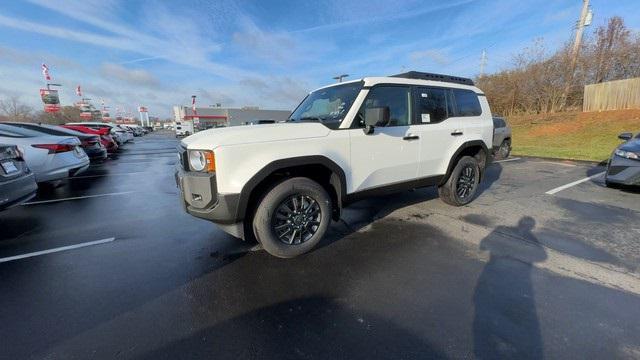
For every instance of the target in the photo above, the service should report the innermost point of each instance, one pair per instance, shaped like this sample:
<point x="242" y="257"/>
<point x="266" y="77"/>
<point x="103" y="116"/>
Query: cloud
<point x="131" y="76"/>
<point x="436" y="56"/>
<point x="178" y="40"/>
<point x="278" y="47"/>
<point x="275" y="47"/>
<point x="355" y="13"/>
<point x="282" y="90"/>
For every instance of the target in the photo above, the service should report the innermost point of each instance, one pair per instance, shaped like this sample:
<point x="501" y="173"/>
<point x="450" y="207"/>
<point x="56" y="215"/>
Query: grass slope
<point x="572" y="135"/>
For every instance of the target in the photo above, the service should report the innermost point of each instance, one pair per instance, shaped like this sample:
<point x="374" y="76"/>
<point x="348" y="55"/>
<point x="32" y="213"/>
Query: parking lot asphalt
<point x="108" y="265"/>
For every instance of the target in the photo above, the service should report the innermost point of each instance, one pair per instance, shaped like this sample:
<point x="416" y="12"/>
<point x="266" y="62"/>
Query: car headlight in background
<point x="202" y="160"/>
<point x="627" y="154"/>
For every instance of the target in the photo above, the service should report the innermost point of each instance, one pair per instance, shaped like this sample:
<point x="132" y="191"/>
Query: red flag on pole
<point x="78" y="91"/>
<point x="45" y="72"/>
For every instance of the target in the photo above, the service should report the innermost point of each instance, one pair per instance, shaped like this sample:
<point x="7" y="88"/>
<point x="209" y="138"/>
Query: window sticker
<point x="426" y="118"/>
<point x="424" y="95"/>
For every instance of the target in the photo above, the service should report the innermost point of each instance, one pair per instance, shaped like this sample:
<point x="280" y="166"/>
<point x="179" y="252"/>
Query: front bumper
<point x="200" y="198"/>
<point x="623" y="171"/>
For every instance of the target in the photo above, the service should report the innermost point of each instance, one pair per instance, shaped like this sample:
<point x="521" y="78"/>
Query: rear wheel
<point x="505" y="149"/>
<point x="293" y="217"/>
<point x="462" y="185"/>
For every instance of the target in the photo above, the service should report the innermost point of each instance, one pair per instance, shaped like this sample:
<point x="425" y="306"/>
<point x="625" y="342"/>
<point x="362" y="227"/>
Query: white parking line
<point x="116" y="174"/>
<point x="556" y="163"/>
<point x="506" y="160"/>
<point x="76" y="198"/>
<point x="563" y="187"/>
<point x="54" y="250"/>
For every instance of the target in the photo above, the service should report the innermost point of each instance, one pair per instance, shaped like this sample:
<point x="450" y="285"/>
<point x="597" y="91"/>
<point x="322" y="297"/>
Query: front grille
<point x="615" y="170"/>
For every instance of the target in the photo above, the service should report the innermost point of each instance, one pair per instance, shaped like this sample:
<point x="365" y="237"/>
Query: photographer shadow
<point x="506" y="323"/>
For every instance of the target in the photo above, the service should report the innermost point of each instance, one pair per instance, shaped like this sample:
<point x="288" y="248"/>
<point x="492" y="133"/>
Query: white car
<point x="128" y="133"/>
<point x="49" y="157"/>
<point x="284" y="183"/>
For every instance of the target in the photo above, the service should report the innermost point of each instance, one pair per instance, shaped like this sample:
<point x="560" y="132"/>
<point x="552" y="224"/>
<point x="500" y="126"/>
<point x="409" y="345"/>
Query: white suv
<point x="283" y="183"/>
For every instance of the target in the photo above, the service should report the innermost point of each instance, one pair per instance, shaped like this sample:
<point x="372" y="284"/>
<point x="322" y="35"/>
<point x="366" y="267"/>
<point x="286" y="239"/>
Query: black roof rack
<point x="434" y="77"/>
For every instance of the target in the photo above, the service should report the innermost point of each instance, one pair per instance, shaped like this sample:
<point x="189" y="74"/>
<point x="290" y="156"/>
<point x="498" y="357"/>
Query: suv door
<point x="437" y="129"/>
<point x="474" y="119"/>
<point x="391" y="154"/>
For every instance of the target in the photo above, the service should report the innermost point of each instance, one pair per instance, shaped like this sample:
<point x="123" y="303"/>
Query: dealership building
<point x="209" y="117"/>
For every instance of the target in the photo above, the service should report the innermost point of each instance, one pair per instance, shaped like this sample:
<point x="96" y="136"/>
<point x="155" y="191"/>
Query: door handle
<point x="456" y="133"/>
<point x="411" y="137"/>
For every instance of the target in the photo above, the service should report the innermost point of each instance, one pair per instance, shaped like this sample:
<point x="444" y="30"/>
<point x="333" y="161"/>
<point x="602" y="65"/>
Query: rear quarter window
<point x="467" y="103"/>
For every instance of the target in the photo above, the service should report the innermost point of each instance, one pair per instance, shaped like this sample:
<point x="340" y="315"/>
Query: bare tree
<point x="538" y="81"/>
<point x="15" y="110"/>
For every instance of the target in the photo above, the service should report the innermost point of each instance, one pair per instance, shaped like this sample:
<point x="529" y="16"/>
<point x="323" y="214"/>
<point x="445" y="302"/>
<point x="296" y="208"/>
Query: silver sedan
<point x="49" y="157"/>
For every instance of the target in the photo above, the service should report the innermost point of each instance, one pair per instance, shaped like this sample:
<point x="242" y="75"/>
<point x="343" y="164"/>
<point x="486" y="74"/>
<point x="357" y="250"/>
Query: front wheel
<point x="292" y="217"/>
<point x="462" y="185"/>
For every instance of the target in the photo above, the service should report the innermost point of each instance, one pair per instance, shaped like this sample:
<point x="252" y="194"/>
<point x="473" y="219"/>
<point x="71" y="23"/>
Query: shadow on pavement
<point x="364" y="212"/>
<point x="506" y="324"/>
<point x="311" y="327"/>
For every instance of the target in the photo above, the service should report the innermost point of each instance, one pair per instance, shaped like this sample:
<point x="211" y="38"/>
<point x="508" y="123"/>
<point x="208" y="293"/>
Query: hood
<point x="250" y="134"/>
<point x="632" y="145"/>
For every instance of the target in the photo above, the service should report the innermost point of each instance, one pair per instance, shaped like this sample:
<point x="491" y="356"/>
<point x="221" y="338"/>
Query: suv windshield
<point x="328" y="105"/>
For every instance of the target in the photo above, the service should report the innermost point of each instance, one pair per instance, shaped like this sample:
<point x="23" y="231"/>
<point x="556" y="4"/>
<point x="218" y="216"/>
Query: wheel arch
<point x="475" y="148"/>
<point x="317" y="167"/>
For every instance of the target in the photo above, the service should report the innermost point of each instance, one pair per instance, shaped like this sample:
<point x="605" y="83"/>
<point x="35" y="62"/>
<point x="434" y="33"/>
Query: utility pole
<point x="483" y="62"/>
<point x="582" y="23"/>
<point x="340" y="77"/>
<point x="585" y="20"/>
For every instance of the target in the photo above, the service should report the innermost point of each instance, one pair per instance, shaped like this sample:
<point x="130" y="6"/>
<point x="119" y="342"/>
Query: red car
<point x="105" y="138"/>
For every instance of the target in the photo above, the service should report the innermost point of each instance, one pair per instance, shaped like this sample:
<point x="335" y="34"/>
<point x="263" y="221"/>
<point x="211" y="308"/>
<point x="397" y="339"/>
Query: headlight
<point x="202" y="160"/>
<point x="627" y="154"/>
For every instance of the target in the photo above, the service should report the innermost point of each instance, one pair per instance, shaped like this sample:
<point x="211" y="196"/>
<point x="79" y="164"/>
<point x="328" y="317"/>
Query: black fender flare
<point x="464" y="146"/>
<point x="338" y="179"/>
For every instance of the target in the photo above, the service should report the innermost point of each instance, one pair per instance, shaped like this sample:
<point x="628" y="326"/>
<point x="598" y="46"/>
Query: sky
<point x="263" y="53"/>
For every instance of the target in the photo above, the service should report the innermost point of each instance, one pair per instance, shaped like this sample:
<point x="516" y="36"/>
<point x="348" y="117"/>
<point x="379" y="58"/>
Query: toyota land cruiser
<point x="284" y="183"/>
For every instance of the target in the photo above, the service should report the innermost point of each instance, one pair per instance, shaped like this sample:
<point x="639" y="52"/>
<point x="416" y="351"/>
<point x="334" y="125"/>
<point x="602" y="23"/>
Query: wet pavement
<point x="516" y="274"/>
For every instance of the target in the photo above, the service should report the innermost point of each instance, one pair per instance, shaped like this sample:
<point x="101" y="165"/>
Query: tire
<point x="505" y="149"/>
<point x="272" y="223"/>
<point x="462" y="185"/>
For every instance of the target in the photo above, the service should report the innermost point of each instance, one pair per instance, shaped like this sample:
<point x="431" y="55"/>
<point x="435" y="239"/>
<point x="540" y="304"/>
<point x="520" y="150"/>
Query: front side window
<point x="432" y="105"/>
<point x="328" y="106"/>
<point x="467" y="103"/>
<point x="396" y="98"/>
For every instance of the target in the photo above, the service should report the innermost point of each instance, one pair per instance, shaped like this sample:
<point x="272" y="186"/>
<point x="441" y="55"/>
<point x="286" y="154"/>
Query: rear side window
<point x="467" y="103"/>
<point x="19" y="131"/>
<point x="498" y="123"/>
<point x="10" y="134"/>
<point x="431" y="105"/>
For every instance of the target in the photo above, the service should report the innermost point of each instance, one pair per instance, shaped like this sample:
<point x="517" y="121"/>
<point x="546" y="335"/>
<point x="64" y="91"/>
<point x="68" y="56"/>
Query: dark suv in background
<point x="501" y="137"/>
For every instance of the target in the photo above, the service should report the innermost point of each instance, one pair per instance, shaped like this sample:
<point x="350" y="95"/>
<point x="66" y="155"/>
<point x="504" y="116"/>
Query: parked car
<point x="118" y="134"/>
<point x="128" y="133"/>
<point x="105" y="138"/>
<point x="90" y="143"/>
<point x="343" y="142"/>
<point x="624" y="164"/>
<point x="501" y="137"/>
<point x="17" y="181"/>
<point x="50" y="157"/>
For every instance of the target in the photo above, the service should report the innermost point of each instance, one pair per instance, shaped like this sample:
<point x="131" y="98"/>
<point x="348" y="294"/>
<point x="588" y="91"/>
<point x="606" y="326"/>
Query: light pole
<point x="340" y="77"/>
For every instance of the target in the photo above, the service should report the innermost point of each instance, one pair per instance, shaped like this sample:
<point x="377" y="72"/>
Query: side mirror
<point x="626" y="136"/>
<point x="375" y="116"/>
